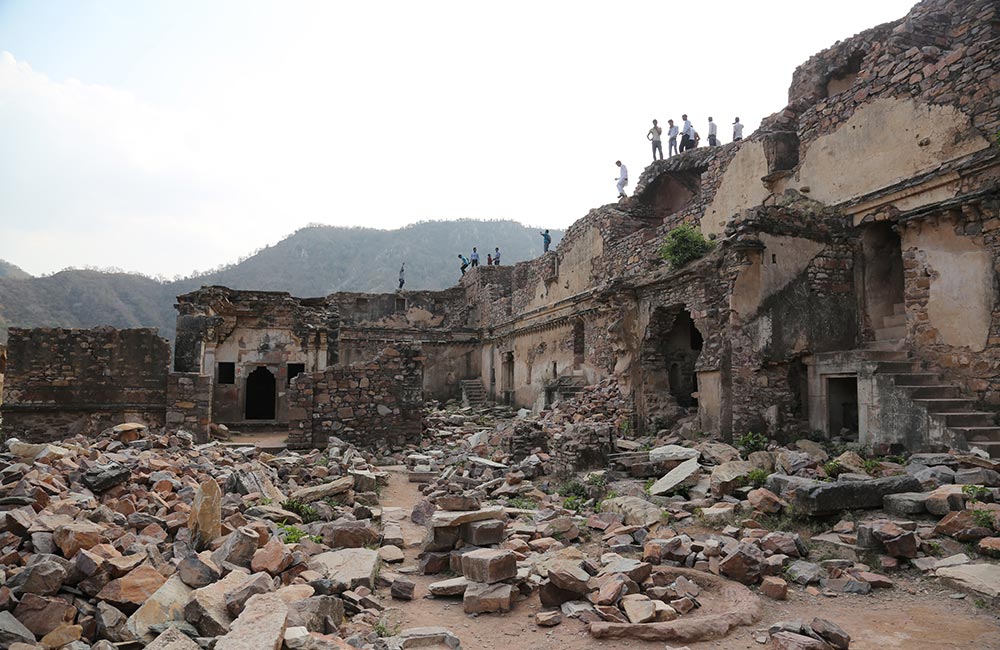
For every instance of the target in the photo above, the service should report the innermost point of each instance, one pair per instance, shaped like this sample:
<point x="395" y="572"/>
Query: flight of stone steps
<point x="947" y="407"/>
<point x="473" y="392"/>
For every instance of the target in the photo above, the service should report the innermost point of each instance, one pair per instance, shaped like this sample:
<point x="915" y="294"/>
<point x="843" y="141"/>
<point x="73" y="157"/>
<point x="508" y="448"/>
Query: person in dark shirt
<point x="546" y="241"/>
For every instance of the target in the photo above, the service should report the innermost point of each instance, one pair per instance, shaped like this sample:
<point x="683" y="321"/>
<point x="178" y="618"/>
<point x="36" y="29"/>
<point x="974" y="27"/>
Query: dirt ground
<point x="917" y="614"/>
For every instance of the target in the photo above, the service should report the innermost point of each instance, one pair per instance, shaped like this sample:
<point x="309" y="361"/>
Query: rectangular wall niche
<point x="226" y="373"/>
<point x="842" y="406"/>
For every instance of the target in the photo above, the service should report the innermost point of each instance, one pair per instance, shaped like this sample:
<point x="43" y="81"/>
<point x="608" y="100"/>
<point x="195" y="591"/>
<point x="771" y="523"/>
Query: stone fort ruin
<point x="851" y="290"/>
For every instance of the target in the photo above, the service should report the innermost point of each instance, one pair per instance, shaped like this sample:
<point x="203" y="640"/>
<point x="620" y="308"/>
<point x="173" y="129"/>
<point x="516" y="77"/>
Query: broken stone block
<point x="548" y="619"/>
<point x="830" y="498"/>
<point x="792" y="641"/>
<point x="349" y="533"/>
<point x="774" y="588"/>
<point x="981" y="578"/>
<point x="134" y="588"/>
<point x="570" y="577"/>
<point x="905" y="545"/>
<point x="165" y="605"/>
<point x="483" y="533"/>
<point x="743" y="564"/>
<point x="804" y="573"/>
<point x="765" y="501"/>
<point x="261" y="625"/>
<point x="402" y="589"/>
<point x="101" y="478"/>
<point x="331" y="488"/>
<point x="206" y="607"/>
<point x="481" y="598"/>
<point x="42" y="578"/>
<point x="489" y="565"/>
<point x="238" y="548"/>
<point x="638" y="608"/>
<point x="684" y="475"/>
<point x="273" y="557"/>
<point x="72" y="537"/>
<point x="391" y="554"/>
<point x="13" y="631"/>
<point x="668" y="453"/>
<point x="905" y="503"/>
<point x="173" y="639"/>
<point x="62" y="636"/>
<point x="258" y="583"/>
<point x="420" y="637"/>
<point x="977" y="476"/>
<point x="347" y="568"/>
<point x="831" y="633"/>
<point x="205" y="520"/>
<point x="199" y="570"/>
<point x="322" y="614"/>
<point x="727" y="477"/>
<point x="42" y="614"/>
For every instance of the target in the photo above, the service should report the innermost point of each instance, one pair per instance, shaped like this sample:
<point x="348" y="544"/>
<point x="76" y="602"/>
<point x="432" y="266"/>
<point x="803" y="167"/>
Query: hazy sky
<point x="165" y="137"/>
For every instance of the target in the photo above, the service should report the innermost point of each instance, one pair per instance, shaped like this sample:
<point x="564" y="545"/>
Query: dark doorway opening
<point x="682" y="346"/>
<point x="669" y="357"/>
<point x="260" y="395"/>
<point x="842" y="406"/>
<point x="883" y="282"/>
<point x="295" y="369"/>
<point x="226" y="373"/>
<point x="507" y="377"/>
<point x="579" y="343"/>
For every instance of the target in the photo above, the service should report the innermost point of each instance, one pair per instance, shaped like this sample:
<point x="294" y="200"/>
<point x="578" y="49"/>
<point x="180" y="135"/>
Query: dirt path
<point x="915" y="615"/>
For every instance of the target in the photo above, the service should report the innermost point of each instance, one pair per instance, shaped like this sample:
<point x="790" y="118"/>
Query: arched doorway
<point x="668" y="359"/>
<point x="260" y="395"/>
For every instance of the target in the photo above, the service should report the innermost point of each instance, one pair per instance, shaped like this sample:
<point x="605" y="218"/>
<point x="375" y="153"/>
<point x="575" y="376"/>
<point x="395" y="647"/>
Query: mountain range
<point x="313" y="261"/>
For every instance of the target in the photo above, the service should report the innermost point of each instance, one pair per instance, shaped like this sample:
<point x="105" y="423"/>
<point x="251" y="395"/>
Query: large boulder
<point x="831" y="498"/>
<point x="347" y="568"/>
<point x="684" y="475"/>
<point x="729" y="476"/>
<point x="636" y="511"/>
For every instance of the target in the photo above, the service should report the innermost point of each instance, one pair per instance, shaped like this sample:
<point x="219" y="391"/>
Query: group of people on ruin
<point x="492" y="259"/>
<point x="689" y="139"/>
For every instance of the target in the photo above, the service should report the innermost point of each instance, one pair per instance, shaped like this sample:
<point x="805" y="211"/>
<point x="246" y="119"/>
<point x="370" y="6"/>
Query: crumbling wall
<point x="189" y="403"/>
<point x="377" y="403"/>
<point x="61" y="382"/>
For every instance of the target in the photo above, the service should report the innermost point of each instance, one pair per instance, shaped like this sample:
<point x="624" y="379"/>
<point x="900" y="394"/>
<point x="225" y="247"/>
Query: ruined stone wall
<point x="377" y="403"/>
<point x="3" y="368"/>
<point x="61" y="382"/>
<point x="189" y="403"/>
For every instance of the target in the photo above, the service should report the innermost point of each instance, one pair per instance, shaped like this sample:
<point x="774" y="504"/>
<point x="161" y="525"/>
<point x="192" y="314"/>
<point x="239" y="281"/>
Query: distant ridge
<point x="313" y="261"/>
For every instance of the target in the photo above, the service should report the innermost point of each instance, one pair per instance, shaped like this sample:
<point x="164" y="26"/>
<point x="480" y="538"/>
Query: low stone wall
<point x="372" y="404"/>
<point x="61" y="382"/>
<point x="189" y="403"/>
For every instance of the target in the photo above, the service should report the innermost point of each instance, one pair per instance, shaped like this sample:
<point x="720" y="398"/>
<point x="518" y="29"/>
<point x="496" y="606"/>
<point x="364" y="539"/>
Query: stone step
<point x="984" y="433"/>
<point x="967" y="418"/>
<point x="934" y="405"/>
<point x="906" y="379"/>
<point x="890" y="333"/>
<point x="899" y="309"/>
<point x="934" y="391"/>
<point x="896" y="320"/>
<point x="885" y="346"/>
<point x="896" y="367"/>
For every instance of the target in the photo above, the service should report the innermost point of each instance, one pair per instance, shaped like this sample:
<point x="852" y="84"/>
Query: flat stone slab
<point x="672" y="452"/>
<point x="981" y="578"/>
<point x="353" y="567"/>
<point x="676" y="477"/>
<point x="446" y="519"/>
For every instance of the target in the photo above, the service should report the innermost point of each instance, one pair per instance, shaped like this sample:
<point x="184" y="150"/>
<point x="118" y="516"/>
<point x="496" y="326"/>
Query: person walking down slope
<point x="687" y="135"/>
<point x="622" y="179"/>
<point x="465" y="263"/>
<point x="474" y="257"/>
<point x="672" y="132"/>
<point x="402" y="280"/>
<point x="496" y="256"/>
<point x="546" y="240"/>
<point x="713" y="139"/>
<point x="654" y="137"/>
<point x="737" y="130"/>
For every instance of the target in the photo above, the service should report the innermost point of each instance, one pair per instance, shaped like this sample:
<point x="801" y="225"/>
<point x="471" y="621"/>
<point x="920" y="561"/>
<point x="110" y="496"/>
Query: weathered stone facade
<point x="60" y="382"/>
<point x="379" y="402"/>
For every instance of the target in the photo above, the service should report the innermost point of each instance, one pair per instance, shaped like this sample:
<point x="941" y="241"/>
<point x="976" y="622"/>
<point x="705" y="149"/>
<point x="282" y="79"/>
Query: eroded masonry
<point x="851" y="290"/>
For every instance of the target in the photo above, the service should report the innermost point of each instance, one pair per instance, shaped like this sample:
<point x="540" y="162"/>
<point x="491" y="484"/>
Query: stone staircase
<point x="913" y="393"/>
<point x="473" y="392"/>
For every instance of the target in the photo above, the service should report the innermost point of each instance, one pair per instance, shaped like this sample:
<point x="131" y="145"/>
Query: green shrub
<point x="757" y="477"/>
<point x="975" y="492"/>
<point x="597" y="480"/>
<point x="750" y="442"/>
<point x="294" y="535"/>
<point x="572" y="488"/>
<point x="521" y="503"/>
<point x="833" y="468"/>
<point x="872" y="465"/>
<point x="574" y="503"/>
<point x="304" y="510"/>
<point x="983" y="518"/>
<point x="683" y="244"/>
<point x="648" y="485"/>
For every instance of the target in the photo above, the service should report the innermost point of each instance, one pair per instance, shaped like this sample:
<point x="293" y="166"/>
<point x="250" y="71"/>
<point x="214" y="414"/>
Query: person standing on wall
<point x="737" y="130"/>
<point x="713" y="131"/>
<point x="672" y="131"/>
<point x="489" y="259"/>
<point x="474" y="257"/>
<point x="402" y="280"/>
<point x="496" y="256"/>
<point x="622" y="179"/>
<point x="465" y="263"/>
<point x="546" y="240"/>
<point x="654" y="137"/>
<point x="687" y="135"/>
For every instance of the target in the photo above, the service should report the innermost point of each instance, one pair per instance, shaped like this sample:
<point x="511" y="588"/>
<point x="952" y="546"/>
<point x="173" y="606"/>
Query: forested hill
<point x="313" y="261"/>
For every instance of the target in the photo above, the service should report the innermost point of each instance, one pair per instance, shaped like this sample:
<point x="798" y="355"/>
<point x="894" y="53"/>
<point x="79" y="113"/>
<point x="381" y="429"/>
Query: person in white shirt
<point x="654" y="137"/>
<point x="687" y="135"/>
<point x="737" y="130"/>
<point x="496" y="256"/>
<point x="622" y="179"/>
<point x="713" y="139"/>
<point x="474" y="257"/>
<point x="672" y="139"/>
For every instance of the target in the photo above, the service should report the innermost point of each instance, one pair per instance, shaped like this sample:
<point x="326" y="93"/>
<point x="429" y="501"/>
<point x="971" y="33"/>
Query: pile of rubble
<point x="137" y="538"/>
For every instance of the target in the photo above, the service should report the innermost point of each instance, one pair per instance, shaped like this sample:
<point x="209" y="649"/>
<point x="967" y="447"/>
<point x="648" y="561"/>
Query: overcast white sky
<point x="165" y="137"/>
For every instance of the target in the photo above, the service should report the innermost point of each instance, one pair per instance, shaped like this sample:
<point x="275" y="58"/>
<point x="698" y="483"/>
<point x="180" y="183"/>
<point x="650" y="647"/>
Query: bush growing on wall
<point x="683" y="244"/>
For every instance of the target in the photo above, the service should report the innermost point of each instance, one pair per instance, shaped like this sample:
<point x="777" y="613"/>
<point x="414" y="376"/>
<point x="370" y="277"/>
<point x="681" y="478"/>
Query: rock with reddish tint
<point x="236" y="599"/>
<point x="274" y="557"/>
<point x="774" y="588"/>
<point x="482" y="598"/>
<point x="638" y="608"/>
<point x="72" y="537"/>
<point x="945" y="499"/>
<point x="165" y="605"/>
<point x="743" y="564"/>
<point x="905" y="545"/>
<point x="261" y="625"/>
<point x="42" y="614"/>
<point x="489" y="565"/>
<point x="876" y="580"/>
<point x="205" y="519"/>
<point x="792" y="641"/>
<point x="765" y="501"/>
<point x="831" y="633"/>
<point x="402" y="589"/>
<point x="349" y="533"/>
<point x="570" y="576"/>
<point x="134" y="588"/>
<point x="989" y="546"/>
<point x="62" y="635"/>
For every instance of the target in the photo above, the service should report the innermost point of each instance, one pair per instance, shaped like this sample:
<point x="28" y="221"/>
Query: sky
<point x="172" y="137"/>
